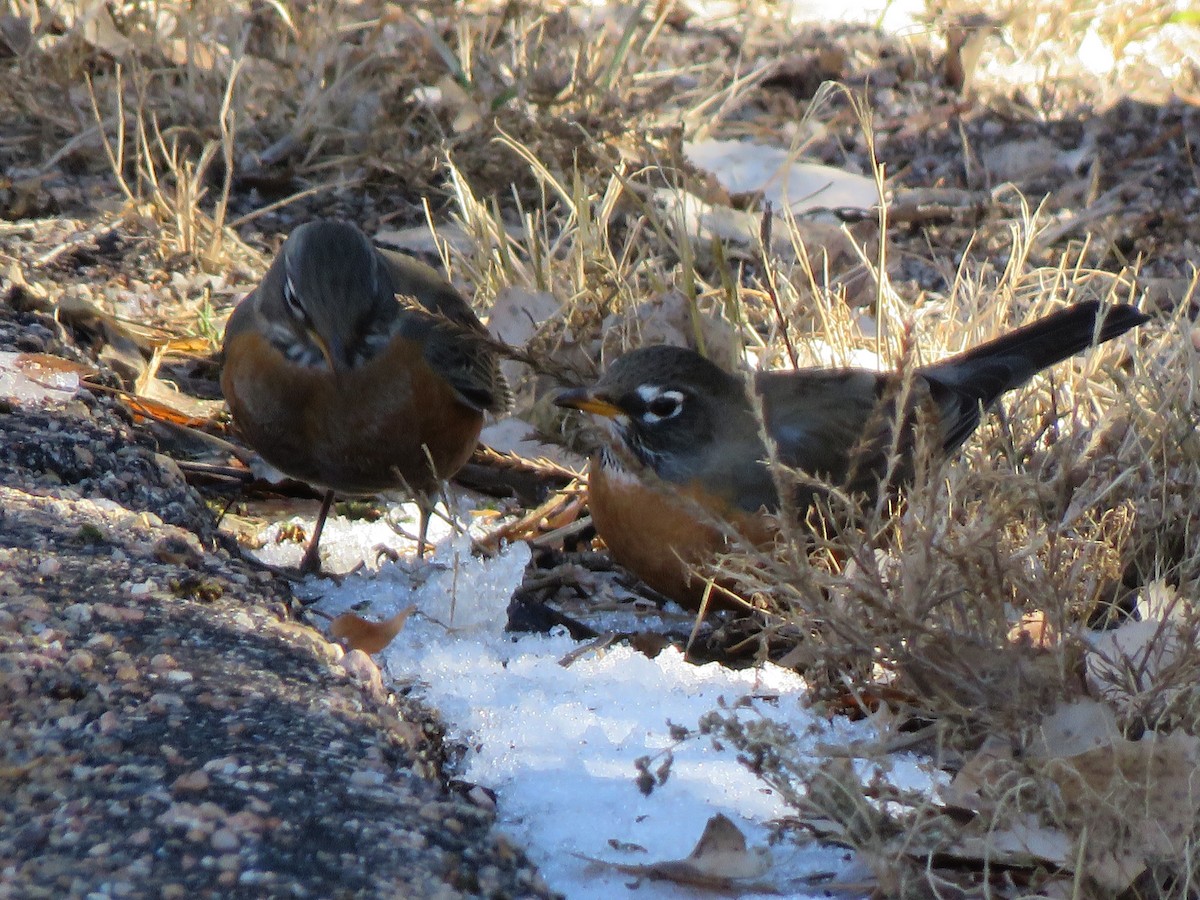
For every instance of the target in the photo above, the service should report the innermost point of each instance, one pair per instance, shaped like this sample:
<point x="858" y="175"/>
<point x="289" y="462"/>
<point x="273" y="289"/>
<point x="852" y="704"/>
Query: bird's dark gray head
<point x="667" y="403"/>
<point x="331" y="291"/>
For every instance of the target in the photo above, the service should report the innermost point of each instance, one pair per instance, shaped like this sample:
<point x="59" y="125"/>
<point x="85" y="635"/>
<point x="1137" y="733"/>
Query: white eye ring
<point x="660" y="404"/>
<point x="292" y="299"/>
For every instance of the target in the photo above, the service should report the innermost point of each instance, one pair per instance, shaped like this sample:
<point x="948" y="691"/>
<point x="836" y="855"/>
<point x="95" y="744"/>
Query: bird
<point x="689" y="459"/>
<point x="358" y="370"/>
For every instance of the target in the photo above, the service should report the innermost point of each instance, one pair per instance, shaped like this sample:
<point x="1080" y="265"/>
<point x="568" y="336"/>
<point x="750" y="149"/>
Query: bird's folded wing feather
<point x="470" y="366"/>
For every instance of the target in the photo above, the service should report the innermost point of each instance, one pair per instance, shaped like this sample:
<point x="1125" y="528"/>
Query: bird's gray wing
<point x="837" y="424"/>
<point x="455" y="341"/>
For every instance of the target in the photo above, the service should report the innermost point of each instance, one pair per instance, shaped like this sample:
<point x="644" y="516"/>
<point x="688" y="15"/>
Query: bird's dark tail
<point x="990" y="369"/>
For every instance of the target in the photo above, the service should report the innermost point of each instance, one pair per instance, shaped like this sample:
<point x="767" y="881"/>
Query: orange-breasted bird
<point x="355" y="369"/>
<point x="692" y="425"/>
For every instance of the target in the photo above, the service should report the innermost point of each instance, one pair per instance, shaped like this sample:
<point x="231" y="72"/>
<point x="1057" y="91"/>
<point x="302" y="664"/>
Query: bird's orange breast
<point x="391" y="422"/>
<point x="660" y="532"/>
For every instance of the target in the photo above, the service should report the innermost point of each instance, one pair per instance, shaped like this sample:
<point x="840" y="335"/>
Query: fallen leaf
<point x="745" y="167"/>
<point x="370" y="637"/>
<point x="1112" y="807"/>
<point x="1074" y="728"/>
<point x="467" y="111"/>
<point x="1022" y="160"/>
<point x="28" y="377"/>
<point x="206" y="56"/>
<point x="982" y="776"/>
<point x="144" y="408"/>
<point x="517" y="313"/>
<point x="721" y="860"/>
<point x="671" y="318"/>
<point x="420" y="239"/>
<point x="721" y="852"/>
<point x="1023" y="841"/>
<point x="16" y="34"/>
<point x="1129" y="805"/>
<point x="49" y="370"/>
<point x="97" y="27"/>
<point x="705" y="221"/>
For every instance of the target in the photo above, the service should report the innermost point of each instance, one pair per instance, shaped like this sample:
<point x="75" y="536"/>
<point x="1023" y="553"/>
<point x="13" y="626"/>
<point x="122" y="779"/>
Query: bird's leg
<point x="311" y="562"/>
<point x="425" y="505"/>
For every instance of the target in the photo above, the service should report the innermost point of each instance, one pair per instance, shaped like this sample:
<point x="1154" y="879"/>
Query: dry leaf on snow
<point x="1013" y="839"/>
<point x="1021" y="841"/>
<point x="370" y="637"/>
<point x="720" y="861"/>
<point x="39" y="376"/>
<point x="1074" y="728"/>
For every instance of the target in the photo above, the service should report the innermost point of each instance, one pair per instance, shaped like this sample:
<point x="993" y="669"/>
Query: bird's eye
<point x="292" y="299"/>
<point x="657" y="403"/>
<point x="664" y="406"/>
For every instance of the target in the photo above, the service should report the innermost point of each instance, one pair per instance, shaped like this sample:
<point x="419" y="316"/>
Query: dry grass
<point x="548" y="137"/>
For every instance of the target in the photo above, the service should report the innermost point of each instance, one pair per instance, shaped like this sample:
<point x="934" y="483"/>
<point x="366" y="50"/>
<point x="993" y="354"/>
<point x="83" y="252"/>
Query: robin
<point x="355" y="369"/>
<point x="691" y="425"/>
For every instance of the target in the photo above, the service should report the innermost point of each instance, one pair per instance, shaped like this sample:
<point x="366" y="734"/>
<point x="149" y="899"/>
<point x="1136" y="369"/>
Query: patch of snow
<point x="348" y="543"/>
<point x="557" y="742"/>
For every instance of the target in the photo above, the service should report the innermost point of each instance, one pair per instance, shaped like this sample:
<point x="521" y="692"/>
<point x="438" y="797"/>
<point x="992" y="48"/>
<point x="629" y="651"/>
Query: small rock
<point x="210" y="811"/>
<point x="191" y="782"/>
<point x="482" y="798"/>
<point x="364" y="778"/>
<point x="359" y="666"/>
<point x="102" y="641"/>
<point x="246" y="821"/>
<point x="78" y="612"/>
<point x="225" y="840"/>
<point x="177" y="551"/>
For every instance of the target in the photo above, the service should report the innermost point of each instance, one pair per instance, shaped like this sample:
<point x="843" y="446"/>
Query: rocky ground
<point x="167" y="728"/>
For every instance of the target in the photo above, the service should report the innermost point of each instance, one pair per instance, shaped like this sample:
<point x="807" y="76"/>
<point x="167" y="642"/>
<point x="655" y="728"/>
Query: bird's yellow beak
<point x="326" y="350"/>
<point x="583" y="399"/>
